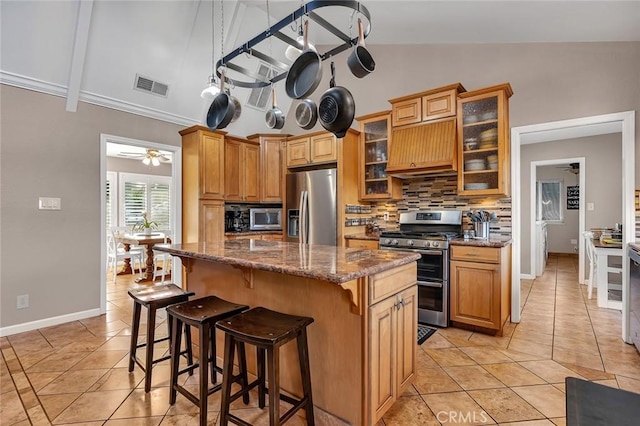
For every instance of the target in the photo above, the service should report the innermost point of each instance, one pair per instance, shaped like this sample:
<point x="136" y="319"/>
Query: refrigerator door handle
<point x="304" y="237"/>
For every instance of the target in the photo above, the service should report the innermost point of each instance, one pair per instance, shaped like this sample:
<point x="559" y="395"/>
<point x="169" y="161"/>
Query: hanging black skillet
<point x="306" y="72"/>
<point x="274" y="116"/>
<point x="336" y="108"/>
<point x="360" y="61"/>
<point x="306" y="114"/>
<point x="221" y="110"/>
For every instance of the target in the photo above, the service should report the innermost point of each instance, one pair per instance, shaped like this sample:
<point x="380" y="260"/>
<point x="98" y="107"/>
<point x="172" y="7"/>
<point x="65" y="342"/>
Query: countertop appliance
<point x="312" y="207"/>
<point x="428" y="233"/>
<point x="634" y="296"/>
<point x="265" y="218"/>
<point x="235" y="220"/>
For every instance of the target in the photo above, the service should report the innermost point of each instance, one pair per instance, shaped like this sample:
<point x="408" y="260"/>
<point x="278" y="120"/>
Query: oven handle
<point x="427" y="252"/>
<point x="429" y="284"/>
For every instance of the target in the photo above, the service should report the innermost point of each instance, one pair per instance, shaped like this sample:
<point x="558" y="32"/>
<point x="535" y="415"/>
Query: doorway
<point x="624" y="123"/>
<point x="175" y="202"/>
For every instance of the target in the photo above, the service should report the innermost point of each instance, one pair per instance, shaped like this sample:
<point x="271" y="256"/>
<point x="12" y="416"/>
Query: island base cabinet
<point x="393" y="335"/>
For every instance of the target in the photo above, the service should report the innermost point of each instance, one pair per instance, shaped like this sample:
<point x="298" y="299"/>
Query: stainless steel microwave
<point x="265" y="218"/>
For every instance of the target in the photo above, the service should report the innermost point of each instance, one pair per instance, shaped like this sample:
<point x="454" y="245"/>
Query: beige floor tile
<point x="547" y="399"/>
<point x="484" y="339"/>
<point x="627" y="383"/>
<point x="512" y="374"/>
<point x="531" y="347"/>
<point x="37" y="416"/>
<point x="577" y="357"/>
<point x="410" y="411"/>
<point x="457" y="408"/>
<point x="449" y="357"/>
<point x="588" y="373"/>
<point x="436" y="341"/>
<point x="559" y="421"/>
<point x="485" y="355"/>
<point x="142" y="404"/>
<point x="116" y="343"/>
<point x="55" y="404"/>
<point x="612" y="383"/>
<point x="434" y="380"/>
<point x="504" y="405"/>
<point x="473" y="377"/>
<point x="101" y="359"/>
<point x="84" y="345"/>
<point x="623" y="365"/>
<point x="543" y="422"/>
<point x="549" y="370"/>
<point x="118" y="378"/>
<point x="537" y="336"/>
<point x="192" y="419"/>
<point x="61" y="361"/>
<point x="73" y="381"/>
<point x="11" y="409"/>
<point x="423" y="360"/>
<point x="30" y="359"/>
<point x="142" y="421"/>
<point x="520" y="356"/>
<point x="457" y="333"/>
<point x="92" y="406"/>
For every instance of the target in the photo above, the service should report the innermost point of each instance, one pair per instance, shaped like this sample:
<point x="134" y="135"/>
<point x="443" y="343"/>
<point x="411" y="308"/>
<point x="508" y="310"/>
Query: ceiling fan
<point x="572" y="168"/>
<point x="151" y="156"/>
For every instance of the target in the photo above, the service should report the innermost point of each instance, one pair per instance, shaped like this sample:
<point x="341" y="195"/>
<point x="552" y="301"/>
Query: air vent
<point x="259" y="96"/>
<point x="145" y="84"/>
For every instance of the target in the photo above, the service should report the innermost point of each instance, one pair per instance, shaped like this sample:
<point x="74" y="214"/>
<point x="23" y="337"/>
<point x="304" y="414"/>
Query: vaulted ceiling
<point x="92" y="50"/>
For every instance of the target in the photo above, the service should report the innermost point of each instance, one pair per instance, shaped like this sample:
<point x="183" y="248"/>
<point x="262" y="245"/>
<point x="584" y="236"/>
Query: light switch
<point x="49" y="203"/>
<point x="590" y="207"/>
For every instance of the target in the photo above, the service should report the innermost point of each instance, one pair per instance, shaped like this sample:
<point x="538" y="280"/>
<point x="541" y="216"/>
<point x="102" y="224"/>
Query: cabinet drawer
<point x="392" y="281"/>
<point x="407" y="112"/>
<point x="476" y="254"/>
<point x="365" y="244"/>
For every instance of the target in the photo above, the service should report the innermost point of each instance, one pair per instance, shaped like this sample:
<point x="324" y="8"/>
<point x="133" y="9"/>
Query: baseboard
<point x="47" y="322"/>
<point x="527" y="277"/>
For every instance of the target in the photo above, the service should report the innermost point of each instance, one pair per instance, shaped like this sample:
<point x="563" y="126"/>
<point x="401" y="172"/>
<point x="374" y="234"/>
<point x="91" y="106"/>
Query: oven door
<point x="433" y="290"/>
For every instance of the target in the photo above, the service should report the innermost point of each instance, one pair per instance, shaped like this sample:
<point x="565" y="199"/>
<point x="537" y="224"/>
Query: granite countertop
<point x="227" y="234"/>
<point x="496" y="241"/>
<point x="327" y="263"/>
<point x="362" y="236"/>
<point x="635" y="245"/>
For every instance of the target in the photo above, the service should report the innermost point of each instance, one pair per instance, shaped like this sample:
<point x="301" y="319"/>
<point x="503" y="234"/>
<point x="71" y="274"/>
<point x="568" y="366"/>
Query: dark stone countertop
<point x="497" y="241"/>
<point x="327" y="263"/>
<point x="362" y="236"/>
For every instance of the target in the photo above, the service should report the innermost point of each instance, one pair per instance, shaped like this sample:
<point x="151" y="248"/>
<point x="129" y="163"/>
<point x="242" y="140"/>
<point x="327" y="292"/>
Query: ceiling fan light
<point x="155" y="161"/>
<point x="146" y="161"/>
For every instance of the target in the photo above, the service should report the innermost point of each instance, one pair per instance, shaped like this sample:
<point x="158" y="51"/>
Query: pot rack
<point x="275" y="30"/>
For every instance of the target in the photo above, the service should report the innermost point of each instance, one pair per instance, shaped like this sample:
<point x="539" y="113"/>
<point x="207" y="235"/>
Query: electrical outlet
<point x="386" y="216"/>
<point x="591" y="207"/>
<point x="23" y="301"/>
<point x="574" y="241"/>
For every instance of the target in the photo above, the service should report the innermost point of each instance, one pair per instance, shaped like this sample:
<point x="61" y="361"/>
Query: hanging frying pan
<point x="306" y="114"/>
<point x="237" y="108"/>
<point x="274" y="117"/>
<point x="306" y="72"/>
<point x="360" y="61"/>
<point x="221" y="110"/>
<point x="336" y="108"/>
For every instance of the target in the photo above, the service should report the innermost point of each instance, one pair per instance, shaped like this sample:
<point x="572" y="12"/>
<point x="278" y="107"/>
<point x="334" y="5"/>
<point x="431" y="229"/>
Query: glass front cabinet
<point x="483" y="141"/>
<point x="375" y="135"/>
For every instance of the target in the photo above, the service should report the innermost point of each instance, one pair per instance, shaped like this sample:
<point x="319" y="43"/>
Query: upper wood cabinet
<point x="483" y="141"/>
<point x="242" y="170"/>
<point x="202" y="184"/>
<point x="375" y="135"/>
<point x="312" y="149"/>
<point x="424" y="106"/>
<point x="272" y="164"/>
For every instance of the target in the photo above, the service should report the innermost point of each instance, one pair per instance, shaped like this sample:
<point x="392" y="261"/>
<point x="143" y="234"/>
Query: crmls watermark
<point x="454" y="417"/>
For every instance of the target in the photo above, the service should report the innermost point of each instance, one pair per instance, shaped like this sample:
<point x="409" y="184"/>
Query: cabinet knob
<point x="413" y="164"/>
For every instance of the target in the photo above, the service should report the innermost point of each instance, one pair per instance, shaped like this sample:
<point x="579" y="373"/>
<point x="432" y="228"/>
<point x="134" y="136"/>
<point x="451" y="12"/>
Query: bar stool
<point x="203" y="313"/>
<point x="153" y="298"/>
<point x="268" y="331"/>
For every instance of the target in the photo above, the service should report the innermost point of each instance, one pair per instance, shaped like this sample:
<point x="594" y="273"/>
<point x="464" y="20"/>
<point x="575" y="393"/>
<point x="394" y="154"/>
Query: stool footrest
<point x="237" y="420"/>
<point x="155" y="361"/>
<point x="143" y="344"/>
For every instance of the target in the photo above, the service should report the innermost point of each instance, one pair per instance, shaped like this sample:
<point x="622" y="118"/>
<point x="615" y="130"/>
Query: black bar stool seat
<point x="267" y="330"/>
<point x="203" y="313"/>
<point x="153" y="297"/>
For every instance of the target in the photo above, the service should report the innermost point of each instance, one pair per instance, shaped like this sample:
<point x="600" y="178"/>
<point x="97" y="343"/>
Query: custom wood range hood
<point x="423" y="148"/>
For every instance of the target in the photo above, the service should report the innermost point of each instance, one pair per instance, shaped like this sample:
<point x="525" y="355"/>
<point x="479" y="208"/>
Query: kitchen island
<point x="362" y="343"/>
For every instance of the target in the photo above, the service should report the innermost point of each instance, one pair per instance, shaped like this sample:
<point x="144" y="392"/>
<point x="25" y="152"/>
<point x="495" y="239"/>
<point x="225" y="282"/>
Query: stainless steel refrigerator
<point x="312" y="207"/>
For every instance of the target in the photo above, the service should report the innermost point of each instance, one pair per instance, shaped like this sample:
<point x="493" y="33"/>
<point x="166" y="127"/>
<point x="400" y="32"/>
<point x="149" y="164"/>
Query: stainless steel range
<point x="428" y="233"/>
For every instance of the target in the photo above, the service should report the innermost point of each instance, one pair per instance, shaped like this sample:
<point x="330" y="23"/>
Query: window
<point x="549" y="201"/>
<point x="145" y="193"/>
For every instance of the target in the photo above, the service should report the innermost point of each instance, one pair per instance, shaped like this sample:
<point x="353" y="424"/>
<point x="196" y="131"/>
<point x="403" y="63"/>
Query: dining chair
<point x="116" y="254"/>
<point x="588" y="237"/>
<point x="160" y="256"/>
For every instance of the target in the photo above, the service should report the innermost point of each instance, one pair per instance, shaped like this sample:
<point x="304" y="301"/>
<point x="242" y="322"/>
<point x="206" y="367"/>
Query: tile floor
<point x="76" y="373"/>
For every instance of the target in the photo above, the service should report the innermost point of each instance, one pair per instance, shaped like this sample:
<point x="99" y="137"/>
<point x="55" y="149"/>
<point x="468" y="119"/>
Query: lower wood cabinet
<point x="393" y="330"/>
<point x="480" y="286"/>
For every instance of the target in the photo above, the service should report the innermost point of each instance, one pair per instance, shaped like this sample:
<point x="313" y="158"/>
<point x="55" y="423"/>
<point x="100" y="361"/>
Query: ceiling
<point x="92" y="50"/>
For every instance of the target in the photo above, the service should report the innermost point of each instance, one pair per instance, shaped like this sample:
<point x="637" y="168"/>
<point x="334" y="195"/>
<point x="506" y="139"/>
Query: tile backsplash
<point x="440" y="193"/>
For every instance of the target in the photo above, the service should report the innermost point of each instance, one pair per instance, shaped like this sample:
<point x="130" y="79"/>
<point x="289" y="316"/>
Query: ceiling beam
<point x="81" y="39"/>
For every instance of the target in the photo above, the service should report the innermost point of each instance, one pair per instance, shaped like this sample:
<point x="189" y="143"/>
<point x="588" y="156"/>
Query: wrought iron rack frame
<point x="275" y="30"/>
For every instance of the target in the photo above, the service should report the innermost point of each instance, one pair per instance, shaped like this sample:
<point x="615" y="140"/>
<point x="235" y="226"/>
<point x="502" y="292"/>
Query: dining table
<point x="142" y="239"/>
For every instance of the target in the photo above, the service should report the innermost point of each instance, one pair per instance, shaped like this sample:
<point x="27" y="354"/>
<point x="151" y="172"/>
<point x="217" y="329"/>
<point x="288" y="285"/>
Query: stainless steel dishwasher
<point x="634" y="296"/>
